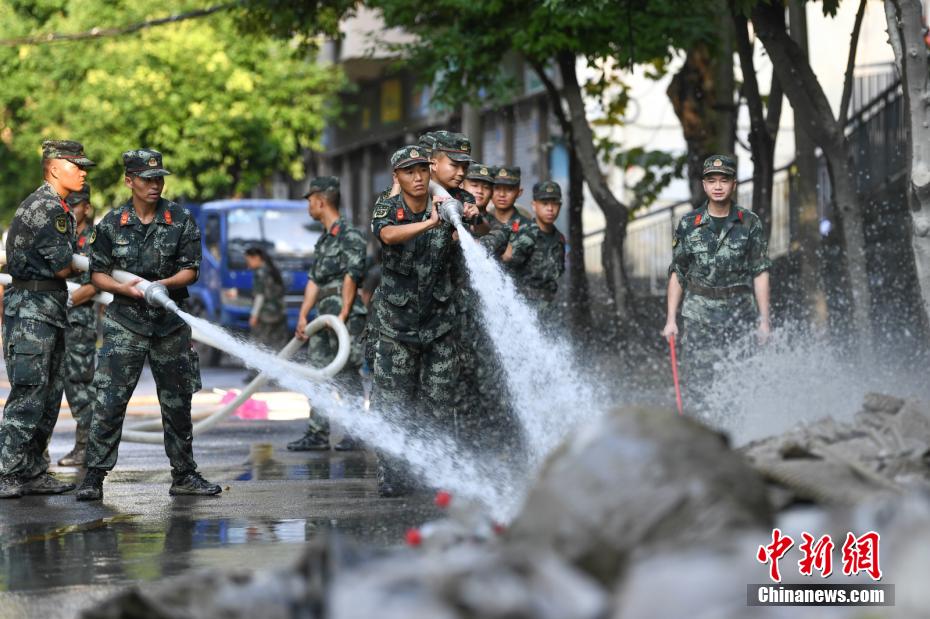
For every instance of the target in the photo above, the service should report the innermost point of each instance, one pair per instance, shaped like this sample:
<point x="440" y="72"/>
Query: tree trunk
<point x="805" y="216"/>
<point x="761" y="138"/>
<point x="615" y="213"/>
<point x="580" y="303"/>
<point x="807" y="97"/>
<point x="702" y="97"/>
<point x="904" y="31"/>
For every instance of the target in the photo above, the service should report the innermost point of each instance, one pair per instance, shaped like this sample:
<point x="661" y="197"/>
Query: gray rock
<point x="638" y="476"/>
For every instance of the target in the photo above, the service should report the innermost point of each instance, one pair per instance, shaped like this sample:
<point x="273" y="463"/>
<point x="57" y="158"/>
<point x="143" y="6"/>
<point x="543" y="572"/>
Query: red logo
<point x="860" y="554"/>
<point x="64" y="205"/>
<point x="697" y="220"/>
<point x="739" y="214"/>
<point x="400" y="214"/>
<point x="515" y="226"/>
<point x="335" y="230"/>
<point x="168" y="218"/>
<point x="773" y="552"/>
<point x="81" y="241"/>
<point x="817" y="555"/>
<point x="124" y="218"/>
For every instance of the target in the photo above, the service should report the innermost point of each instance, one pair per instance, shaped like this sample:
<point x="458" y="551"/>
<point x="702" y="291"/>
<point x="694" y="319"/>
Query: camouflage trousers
<point x="321" y="350"/>
<point x="486" y="421"/>
<point x="176" y="369"/>
<point x="271" y="335"/>
<point x="80" y="354"/>
<point x="414" y="388"/>
<point x="34" y="352"/>
<point x="703" y="347"/>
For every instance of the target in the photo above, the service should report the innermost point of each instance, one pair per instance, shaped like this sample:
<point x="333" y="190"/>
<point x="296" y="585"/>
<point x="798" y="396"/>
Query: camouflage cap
<point x="720" y="164"/>
<point x="507" y="175"/>
<point x="407" y="156"/>
<point x="547" y="190"/>
<point x="455" y="145"/>
<point x="322" y="183"/>
<point x="76" y="197"/>
<point x="427" y="141"/>
<point x="66" y="149"/>
<point x="144" y="163"/>
<point x="480" y="172"/>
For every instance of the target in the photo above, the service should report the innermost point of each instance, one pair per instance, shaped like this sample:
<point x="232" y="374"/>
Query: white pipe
<point x="150" y="431"/>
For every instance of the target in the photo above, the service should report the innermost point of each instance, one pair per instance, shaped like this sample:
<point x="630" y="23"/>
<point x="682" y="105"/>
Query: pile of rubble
<point x="641" y="514"/>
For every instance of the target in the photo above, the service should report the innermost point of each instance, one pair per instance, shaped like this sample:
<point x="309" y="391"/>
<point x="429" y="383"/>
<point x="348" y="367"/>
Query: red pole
<point x="671" y="348"/>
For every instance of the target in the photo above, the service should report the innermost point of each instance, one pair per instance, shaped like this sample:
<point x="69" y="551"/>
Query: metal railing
<point x="648" y="245"/>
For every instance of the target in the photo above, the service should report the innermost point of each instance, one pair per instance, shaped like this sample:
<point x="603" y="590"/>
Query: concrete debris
<point x="884" y="451"/>
<point x="636" y="477"/>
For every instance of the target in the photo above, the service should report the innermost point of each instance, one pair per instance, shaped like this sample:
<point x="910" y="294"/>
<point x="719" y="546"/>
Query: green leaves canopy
<point x="226" y="110"/>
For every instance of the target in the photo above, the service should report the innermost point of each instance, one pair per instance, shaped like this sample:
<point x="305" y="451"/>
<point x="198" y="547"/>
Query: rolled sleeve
<point x="101" y="255"/>
<point x="679" y="263"/>
<point x="759" y="261"/>
<point x="355" y="254"/>
<point x="189" y="251"/>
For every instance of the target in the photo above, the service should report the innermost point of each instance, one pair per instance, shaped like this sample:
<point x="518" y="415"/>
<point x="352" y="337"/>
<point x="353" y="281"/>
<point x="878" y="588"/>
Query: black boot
<point x="10" y="487"/>
<point x="312" y="440"/>
<point x="192" y="484"/>
<point x="92" y="487"/>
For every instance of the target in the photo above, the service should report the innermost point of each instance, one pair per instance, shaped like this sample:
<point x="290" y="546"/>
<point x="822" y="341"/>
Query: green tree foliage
<point x="226" y="109"/>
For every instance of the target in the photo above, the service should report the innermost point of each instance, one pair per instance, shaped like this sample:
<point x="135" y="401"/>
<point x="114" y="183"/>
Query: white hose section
<point x="150" y="431"/>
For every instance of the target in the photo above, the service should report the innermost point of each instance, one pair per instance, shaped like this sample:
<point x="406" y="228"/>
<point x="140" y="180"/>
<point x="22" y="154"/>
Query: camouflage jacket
<point x="340" y="251"/>
<point x="83" y="314"/>
<point x="414" y="301"/>
<point x="538" y="260"/>
<point x="155" y="251"/>
<point x="731" y="260"/>
<point x="40" y="243"/>
<point x="272" y="291"/>
<point x="502" y="234"/>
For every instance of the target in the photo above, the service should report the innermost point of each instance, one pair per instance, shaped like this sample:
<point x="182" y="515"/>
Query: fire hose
<point x="149" y="431"/>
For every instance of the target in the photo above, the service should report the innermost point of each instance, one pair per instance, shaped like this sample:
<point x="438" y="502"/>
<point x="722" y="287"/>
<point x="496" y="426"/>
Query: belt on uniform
<point x="40" y="285"/>
<point x="329" y="291"/>
<point x="717" y="293"/>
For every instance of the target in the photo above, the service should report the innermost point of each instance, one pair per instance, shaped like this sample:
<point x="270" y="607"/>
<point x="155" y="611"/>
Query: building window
<point x="391" y="101"/>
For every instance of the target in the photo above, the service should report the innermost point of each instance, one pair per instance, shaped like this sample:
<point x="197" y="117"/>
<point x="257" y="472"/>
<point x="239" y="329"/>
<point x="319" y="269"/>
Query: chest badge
<point x="400" y="214"/>
<point x="82" y="241"/>
<point x="61" y="223"/>
<point x="515" y="226"/>
<point x="335" y="230"/>
<point x="168" y="219"/>
<point x="124" y="218"/>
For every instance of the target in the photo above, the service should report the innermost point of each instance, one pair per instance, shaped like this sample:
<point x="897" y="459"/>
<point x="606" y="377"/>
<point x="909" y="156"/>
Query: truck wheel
<point x="209" y="356"/>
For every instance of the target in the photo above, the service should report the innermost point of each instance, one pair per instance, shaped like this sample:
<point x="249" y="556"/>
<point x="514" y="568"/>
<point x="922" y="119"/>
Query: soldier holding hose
<point x="157" y="240"/>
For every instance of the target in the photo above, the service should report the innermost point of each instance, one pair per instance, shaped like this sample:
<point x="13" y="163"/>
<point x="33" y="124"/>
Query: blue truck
<point x="223" y="293"/>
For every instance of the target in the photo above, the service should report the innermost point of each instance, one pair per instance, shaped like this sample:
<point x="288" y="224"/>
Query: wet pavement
<point x="58" y="556"/>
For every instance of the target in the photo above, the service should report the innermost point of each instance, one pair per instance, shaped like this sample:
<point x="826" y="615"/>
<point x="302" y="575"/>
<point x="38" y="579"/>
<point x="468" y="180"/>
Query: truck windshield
<point x="287" y="234"/>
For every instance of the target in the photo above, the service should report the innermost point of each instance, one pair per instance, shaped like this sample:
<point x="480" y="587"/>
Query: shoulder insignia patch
<point x="168" y="218"/>
<point x="380" y="211"/>
<point x="400" y="214"/>
<point x="124" y="218"/>
<point x="515" y="226"/>
<point x="61" y="223"/>
<point x="335" y="230"/>
<point x="93" y="236"/>
<point x="674" y="242"/>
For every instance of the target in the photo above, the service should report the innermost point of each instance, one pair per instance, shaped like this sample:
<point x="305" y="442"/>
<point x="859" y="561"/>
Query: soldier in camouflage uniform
<point x="268" y="318"/>
<point x="720" y="265"/>
<point x="537" y="254"/>
<point x="81" y="335"/>
<point x="415" y="356"/>
<point x="39" y="249"/>
<point x="157" y="240"/>
<point x="506" y="220"/>
<point x="332" y="287"/>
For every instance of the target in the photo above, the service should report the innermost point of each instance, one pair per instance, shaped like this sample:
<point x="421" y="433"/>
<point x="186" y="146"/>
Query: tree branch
<point x="554" y="97"/>
<point x="851" y="65"/>
<point x="773" y="114"/>
<point x="99" y="33"/>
